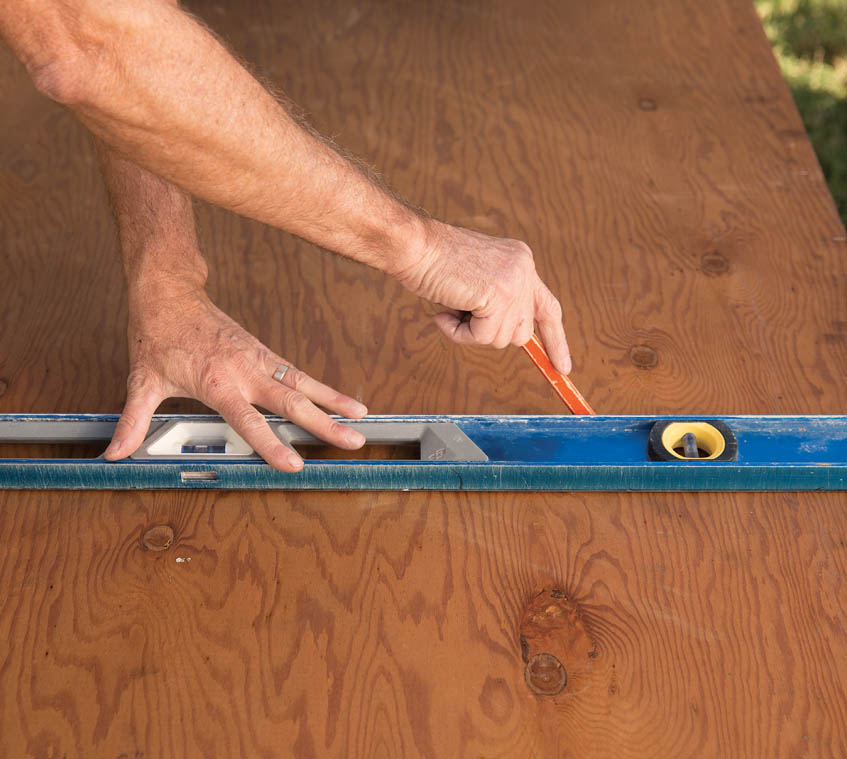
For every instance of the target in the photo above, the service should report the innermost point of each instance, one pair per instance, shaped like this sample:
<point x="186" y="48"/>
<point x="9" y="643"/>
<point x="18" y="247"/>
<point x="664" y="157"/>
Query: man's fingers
<point x="506" y="329"/>
<point x="486" y="330"/>
<point x="548" y="314"/>
<point x="132" y="427"/>
<point x="294" y="405"/>
<point x="511" y="330"/>
<point x="477" y="330"/>
<point x="322" y="394"/>
<point x="251" y="425"/>
<point x="523" y="332"/>
<point x="448" y="322"/>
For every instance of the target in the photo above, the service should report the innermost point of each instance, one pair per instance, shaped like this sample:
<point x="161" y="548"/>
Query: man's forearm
<point x="156" y="227"/>
<point x="160" y="89"/>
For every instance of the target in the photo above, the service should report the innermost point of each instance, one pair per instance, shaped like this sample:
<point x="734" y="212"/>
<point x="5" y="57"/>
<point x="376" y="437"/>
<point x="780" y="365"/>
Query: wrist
<point x="417" y="254"/>
<point x="160" y="273"/>
<point x="407" y="244"/>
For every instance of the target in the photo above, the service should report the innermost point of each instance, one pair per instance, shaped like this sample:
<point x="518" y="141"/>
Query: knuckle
<point x="524" y="259"/>
<point x="214" y="378"/>
<point x="295" y="378"/>
<point x="522" y="334"/>
<point x="248" y="419"/>
<point x="510" y="283"/>
<point x="514" y="280"/>
<point x="61" y="75"/>
<point x="334" y="429"/>
<point x="139" y="381"/>
<point x="523" y="250"/>
<point x="243" y="363"/>
<point x="554" y="308"/>
<point x="483" y="336"/>
<point x="129" y="420"/>
<point x="294" y="404"/>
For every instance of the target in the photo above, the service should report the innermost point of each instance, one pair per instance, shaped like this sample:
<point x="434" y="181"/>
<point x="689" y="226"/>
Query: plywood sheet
<point x="651" y="156"/>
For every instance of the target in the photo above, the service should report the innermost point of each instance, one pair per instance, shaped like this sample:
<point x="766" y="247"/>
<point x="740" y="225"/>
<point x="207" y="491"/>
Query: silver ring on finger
<point x="280" y="371"/>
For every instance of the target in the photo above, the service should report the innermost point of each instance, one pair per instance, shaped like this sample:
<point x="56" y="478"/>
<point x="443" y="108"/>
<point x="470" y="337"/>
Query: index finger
<point x="548" y="316"/>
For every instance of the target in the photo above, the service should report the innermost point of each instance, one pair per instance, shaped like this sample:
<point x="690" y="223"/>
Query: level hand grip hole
<point x="85" y="450"/>
<point x="407" y="451"/>
<point x="701" y="454"/>
<point x="677" y="441"/>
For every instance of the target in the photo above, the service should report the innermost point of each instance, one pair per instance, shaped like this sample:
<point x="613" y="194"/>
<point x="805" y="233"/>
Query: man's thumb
<point x="135" y="420"/>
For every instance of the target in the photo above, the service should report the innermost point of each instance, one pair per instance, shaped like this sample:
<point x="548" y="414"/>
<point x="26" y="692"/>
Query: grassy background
<point x="810" y="42"/>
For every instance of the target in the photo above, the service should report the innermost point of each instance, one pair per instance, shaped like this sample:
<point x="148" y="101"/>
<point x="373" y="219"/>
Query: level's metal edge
<point x="97" y="475"/>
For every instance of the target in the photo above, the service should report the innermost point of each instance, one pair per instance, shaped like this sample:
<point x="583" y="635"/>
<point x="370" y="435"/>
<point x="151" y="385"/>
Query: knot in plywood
<point x="555" y="645"/>
<point x="643" y="356"/>
<point x="714" y="264"/>
<point x="158" y="538"/>
<point x="545" y="675"/>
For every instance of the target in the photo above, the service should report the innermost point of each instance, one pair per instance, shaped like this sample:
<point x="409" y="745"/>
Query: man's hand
<point x="182" y="345"/>
<point x="490" y="289"/>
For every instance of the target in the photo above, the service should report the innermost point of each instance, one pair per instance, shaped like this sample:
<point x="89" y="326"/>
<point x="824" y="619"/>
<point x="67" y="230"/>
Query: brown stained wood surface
<point x="651" y="156"/>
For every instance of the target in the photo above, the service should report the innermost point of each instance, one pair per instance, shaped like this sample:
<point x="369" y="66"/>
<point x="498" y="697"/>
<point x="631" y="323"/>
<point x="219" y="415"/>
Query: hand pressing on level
<point x="182" y="345"/>
<point x="490" y="290"/>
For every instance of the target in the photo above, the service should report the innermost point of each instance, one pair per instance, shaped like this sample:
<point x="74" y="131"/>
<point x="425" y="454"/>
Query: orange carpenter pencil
<point x="564" y="388"/>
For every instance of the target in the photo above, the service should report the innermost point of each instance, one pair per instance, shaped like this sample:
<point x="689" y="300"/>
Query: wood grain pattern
<point x="651" y="156"/>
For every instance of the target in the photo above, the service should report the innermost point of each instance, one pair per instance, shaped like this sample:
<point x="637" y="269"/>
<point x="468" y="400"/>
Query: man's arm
<point x="181" y="345"/>
<point x="156" y="86"/>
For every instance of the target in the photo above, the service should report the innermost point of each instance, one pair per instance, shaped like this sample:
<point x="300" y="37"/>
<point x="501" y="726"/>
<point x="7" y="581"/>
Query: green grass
<point x="810" y="42"/>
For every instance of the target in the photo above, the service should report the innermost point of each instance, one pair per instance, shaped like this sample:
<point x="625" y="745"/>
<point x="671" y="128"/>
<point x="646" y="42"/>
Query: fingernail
<point x="113" y="449"/>
<point x="295" y="461"/>
<point x="354" y="438"/>
<point x="360" y="409"/>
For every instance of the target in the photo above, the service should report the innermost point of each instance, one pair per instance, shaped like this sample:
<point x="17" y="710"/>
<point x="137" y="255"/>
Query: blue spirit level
<point x="561" y="453"/>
